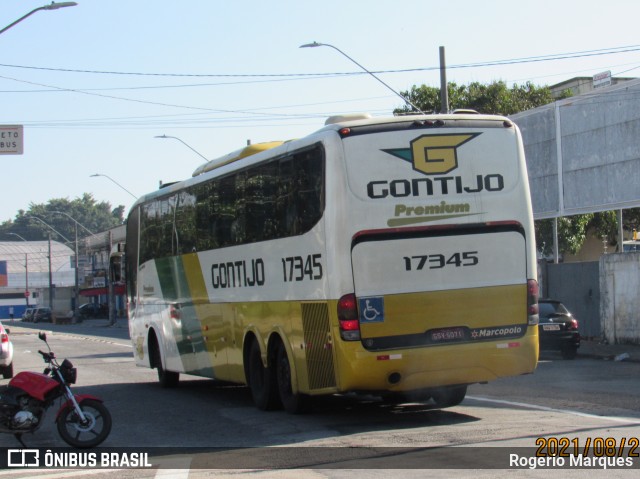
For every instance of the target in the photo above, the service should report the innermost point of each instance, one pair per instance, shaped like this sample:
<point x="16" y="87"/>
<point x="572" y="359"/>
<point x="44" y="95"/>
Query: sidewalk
<point x="88" y="327"/>
<point x="610" y="352"/>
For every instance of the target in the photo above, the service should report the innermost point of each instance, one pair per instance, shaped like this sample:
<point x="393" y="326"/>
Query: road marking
<point x="551" y="409"/>
<point x="183" y="465"/>
<point x="60" y="473"/>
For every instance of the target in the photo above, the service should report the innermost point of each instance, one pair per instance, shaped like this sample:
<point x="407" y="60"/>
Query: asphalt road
<point x="584" y="399"/>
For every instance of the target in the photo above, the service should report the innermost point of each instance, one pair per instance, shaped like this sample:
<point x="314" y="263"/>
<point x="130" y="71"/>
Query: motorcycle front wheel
<point x="85" y="434"/>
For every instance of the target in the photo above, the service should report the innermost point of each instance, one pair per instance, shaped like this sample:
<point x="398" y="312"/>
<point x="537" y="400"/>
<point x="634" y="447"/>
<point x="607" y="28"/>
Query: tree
<point x="495" y="98"/>
<point x="95" y="217"/>
<point x="572" y="231"/>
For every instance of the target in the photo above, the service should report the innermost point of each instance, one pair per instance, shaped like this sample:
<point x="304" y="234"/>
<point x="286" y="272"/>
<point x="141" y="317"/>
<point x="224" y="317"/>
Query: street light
<point x="76" y="299"/>
<point x="49" y="226"/>
<point x="185" y="144"/>
<point x="74" y="220"/>
<point x="114" y="181"/>
<point x="51" y="6"/>
<point x="50" y="272"/>
<point x="16" y="234"/>
<point x="316" y="44"/>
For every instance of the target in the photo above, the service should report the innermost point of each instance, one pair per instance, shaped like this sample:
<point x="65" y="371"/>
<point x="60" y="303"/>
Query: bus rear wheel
<point x="261" y="381"/>
<point x="449" y="396"/>
<point x="294" y="403"/>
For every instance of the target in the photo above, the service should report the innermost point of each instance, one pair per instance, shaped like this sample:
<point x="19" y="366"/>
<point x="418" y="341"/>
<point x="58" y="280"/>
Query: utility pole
<point x="444" y="91"/>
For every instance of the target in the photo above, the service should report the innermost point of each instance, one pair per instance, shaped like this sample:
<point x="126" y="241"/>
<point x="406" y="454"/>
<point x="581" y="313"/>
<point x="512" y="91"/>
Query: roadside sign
<point x="602" y="79"/>
<point x="11" y="140"/>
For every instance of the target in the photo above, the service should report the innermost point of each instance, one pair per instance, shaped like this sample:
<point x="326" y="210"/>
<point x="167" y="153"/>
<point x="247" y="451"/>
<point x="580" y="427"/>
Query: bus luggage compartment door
<point x="424" y="289"/>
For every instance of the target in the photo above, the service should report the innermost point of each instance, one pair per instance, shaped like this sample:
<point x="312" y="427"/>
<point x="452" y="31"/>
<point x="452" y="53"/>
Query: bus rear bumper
<point x="435" y="366"/>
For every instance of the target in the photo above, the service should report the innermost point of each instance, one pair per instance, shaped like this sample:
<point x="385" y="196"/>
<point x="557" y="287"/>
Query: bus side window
<point x="286" y="207"/>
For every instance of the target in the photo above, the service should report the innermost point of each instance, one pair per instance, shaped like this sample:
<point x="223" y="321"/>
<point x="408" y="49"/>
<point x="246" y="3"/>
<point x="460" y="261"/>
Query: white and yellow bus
<point x="390" y="256"/>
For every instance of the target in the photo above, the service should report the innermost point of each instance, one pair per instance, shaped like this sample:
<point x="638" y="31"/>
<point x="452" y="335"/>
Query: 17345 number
<point x="437" y="261"/>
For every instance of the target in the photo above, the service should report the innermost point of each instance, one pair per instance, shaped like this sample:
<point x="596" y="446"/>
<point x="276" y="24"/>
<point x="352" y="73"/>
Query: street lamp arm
<point x="16" y="234"/>
<point x="74" y="220"/>
<point x="50" y="227"/>
<point x="316" y="44"/>
<point x="185" y="144"/>
<point x="114" y="181"/>
<point x="51" y="6"/>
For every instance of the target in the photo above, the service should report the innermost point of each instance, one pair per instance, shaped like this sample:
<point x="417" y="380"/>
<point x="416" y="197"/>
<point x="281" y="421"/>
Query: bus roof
<point x="334" y="123"/>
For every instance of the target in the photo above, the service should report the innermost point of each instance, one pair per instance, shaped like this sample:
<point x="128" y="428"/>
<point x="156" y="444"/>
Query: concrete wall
<point x="620" y="298"/>
<point x="583" y="153"/>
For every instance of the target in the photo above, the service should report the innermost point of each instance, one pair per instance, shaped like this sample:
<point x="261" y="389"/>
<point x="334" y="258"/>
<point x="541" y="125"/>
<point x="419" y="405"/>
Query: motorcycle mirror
<point x="42" y="336"/>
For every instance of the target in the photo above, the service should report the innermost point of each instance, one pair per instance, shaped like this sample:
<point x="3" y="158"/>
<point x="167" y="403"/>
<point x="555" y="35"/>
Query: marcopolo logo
<point x="433" y="154"/>
<point x="511" y="331"/>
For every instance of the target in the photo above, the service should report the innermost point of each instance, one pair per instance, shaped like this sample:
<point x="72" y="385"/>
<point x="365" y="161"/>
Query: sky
<point x="94" y="84"/>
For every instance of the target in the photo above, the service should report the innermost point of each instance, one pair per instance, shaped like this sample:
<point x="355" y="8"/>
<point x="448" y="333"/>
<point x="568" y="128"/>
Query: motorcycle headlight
<point x="69" y="373"/>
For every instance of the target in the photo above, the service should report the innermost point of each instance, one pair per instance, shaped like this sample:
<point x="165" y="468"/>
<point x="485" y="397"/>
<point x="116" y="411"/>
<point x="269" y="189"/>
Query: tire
<point x="167" y="379"/>
<point x="261" y="381"/>
<point x="7" y="371"/>
<point x="294" y="403"/>
<point x="569" y="352"/>
<point x="449" y="396"/>
<point x="419" y="395"/>
<point x="79" y="435"/>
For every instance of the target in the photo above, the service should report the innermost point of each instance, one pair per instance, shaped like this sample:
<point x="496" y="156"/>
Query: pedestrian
<point x="11" y="313"/>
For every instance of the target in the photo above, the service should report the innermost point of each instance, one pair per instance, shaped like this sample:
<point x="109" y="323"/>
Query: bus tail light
<point x="532" y="302"/>
<point x="348" y="318"/>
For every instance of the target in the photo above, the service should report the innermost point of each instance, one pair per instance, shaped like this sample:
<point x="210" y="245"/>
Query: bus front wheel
<point x="261" y="381"/>
<point x="294" y="403"/>
<point x="167" y="379"/>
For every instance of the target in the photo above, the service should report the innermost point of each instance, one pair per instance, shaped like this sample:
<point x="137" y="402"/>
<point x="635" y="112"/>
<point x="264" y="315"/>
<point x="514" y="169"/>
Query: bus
<point x="388" y="256"/>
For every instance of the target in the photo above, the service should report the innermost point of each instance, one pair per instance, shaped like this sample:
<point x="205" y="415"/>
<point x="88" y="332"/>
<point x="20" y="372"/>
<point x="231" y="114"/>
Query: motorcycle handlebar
<point x="46" y="356"/>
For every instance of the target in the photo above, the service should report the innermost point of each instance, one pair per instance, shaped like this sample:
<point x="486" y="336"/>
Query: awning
<point x="117" y="290"/>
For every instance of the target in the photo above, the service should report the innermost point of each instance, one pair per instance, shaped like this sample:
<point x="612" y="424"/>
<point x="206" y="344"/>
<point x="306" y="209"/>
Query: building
<point x="581" y="85"/>
<point x="101" y="271"/>
<point x="35" y="273"/>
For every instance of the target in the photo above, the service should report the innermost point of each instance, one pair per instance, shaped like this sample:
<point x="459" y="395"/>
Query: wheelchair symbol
<point x="370" y="313"/>
<point x="371" y="309"/>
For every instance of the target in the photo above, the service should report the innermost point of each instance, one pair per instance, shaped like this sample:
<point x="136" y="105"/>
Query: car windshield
<point x="550" y="308"/>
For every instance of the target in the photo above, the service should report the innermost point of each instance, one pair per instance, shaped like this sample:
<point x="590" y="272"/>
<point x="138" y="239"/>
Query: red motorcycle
<point x="82" y="420"/>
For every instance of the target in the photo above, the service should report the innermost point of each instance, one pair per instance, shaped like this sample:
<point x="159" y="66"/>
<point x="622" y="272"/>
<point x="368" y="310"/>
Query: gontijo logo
<point x="433" y="154"/>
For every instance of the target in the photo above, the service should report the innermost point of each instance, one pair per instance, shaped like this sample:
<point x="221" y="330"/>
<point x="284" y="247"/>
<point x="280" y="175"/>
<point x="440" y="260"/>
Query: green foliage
<point x="59" y="214"/>
<point x="572" y="231"/>
<point x="495" y="98"/>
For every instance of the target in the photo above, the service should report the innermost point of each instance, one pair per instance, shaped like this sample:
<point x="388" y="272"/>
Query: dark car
<point x="42" y="314"/>
<point x="93" y="310"/>
<point x="558" y="329"/>
<point x="28" y="314"/>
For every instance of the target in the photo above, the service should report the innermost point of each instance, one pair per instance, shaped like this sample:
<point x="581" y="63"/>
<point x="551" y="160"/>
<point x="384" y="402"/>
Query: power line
<point x="511" y="61"/>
